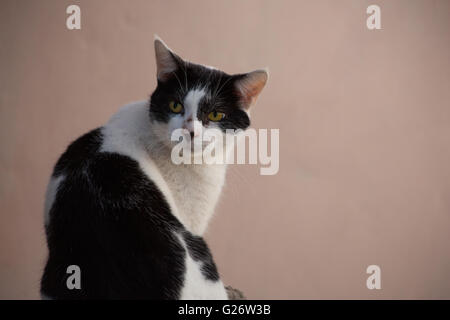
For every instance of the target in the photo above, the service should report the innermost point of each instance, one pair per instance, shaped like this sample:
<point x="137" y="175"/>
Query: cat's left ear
<point x="250" y="85"/>
<point x="167" y="61"/>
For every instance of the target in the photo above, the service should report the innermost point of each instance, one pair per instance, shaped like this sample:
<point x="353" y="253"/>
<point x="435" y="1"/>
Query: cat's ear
<point x="167" y="61"/>
<point x="249" y="86"/>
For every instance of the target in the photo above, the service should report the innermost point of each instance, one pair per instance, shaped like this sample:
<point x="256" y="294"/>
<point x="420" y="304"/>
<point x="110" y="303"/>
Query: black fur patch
<point x="199" y="251"/>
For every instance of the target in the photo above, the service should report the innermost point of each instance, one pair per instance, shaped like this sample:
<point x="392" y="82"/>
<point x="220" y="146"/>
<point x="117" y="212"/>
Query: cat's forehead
<point x="200" y="77"/>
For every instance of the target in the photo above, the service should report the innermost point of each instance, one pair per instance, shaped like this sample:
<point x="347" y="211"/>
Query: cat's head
<point x="198" y="98"/>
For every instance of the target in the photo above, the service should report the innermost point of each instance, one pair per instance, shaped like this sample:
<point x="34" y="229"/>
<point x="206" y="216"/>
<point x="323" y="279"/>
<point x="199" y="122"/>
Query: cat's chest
<point x="196" y="192"/>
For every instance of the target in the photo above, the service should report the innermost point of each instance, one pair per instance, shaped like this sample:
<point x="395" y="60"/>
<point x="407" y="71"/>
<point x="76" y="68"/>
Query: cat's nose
<point x="193" y="126"/>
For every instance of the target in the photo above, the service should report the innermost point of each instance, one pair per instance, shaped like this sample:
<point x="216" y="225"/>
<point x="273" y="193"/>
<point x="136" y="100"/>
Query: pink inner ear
<point x="165" y="63"/>
<point x="251" y="86"/>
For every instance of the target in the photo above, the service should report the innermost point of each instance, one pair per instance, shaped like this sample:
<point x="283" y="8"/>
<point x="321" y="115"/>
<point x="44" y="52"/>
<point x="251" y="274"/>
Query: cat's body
<point x="120" y="209"/>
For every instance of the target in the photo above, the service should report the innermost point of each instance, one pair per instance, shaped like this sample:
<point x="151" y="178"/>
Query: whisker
<point x="223" y="85"/>
<point x="179" y="82"/>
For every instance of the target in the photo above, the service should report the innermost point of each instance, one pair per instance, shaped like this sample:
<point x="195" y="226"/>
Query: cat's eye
<point x="175" y="107"/>
<point x="216" y="116"/>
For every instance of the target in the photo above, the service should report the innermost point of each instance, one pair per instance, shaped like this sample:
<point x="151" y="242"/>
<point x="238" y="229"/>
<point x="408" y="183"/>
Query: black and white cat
<point x="119" y="208"/>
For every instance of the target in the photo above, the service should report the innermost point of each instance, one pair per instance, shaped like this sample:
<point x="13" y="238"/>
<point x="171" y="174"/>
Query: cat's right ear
<point x="167" y="62"/>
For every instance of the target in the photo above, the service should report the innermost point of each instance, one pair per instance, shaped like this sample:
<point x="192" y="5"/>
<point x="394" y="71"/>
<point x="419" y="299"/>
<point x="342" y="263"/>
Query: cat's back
<point x="76" y="158"/>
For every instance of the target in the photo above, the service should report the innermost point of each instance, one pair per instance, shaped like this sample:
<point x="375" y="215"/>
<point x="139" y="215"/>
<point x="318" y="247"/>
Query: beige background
<point x="364" y="119"/>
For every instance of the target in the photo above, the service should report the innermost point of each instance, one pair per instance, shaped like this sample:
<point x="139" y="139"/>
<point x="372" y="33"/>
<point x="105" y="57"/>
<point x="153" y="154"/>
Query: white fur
<point x="191" y="102"/>
<point x="209" y="67"/>
<point x="52" y="189"/>
<point x="195" y="285"/>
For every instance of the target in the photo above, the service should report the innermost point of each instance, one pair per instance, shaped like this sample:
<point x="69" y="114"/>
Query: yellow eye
<point x="175" y="107"/>
<point x="216" y="116"/>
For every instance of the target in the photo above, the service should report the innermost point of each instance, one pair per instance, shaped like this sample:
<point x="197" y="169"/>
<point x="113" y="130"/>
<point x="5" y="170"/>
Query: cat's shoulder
<point x="85" y="159"/>
<point x="79" y="152"/>
<point x="119" y="135"/>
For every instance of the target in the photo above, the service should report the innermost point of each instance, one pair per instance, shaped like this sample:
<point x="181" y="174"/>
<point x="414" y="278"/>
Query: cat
<point x="118" y="207"/>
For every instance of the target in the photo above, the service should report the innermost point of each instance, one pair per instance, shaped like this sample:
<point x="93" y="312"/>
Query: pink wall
<point x="364" y="121"/>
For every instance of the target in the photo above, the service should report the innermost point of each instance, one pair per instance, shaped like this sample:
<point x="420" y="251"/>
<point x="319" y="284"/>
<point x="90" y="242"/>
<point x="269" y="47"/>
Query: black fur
<point x="113" y="222"/>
